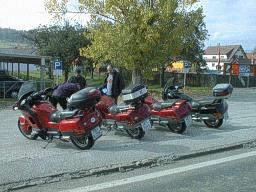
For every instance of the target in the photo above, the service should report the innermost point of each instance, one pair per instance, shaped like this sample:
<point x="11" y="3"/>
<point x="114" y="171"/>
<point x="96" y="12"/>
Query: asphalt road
<point x="230" y="171"/>
<point x="22" y="159"/>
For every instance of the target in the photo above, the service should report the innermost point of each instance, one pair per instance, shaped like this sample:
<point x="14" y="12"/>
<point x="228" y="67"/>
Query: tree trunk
<point x="136" y="77"/>
<point x="99" y="73"/>
<point x="66" y="74"/>
<point x="92" y="71"/>
<point x="50" y="71"/>
<point x="162" y="77"/>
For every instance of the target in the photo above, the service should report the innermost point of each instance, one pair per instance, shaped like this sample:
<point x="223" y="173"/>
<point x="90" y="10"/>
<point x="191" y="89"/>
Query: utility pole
<point x="218" y="56"/>
<point x="253" y="58"/>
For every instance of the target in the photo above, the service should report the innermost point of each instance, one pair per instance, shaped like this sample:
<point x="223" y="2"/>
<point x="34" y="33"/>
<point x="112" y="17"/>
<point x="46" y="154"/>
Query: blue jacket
<point x="65" y="90"/>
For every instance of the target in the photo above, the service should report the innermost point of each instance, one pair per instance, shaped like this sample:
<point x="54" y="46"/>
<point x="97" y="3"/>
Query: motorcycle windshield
<point x="169" y="83"/>
<point x="27" y="87"/>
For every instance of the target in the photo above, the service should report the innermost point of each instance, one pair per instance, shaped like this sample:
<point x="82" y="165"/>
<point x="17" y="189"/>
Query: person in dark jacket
<point x="62" y="92"/>
<point x="78" y="78"/>
<point x="113" y="83"/>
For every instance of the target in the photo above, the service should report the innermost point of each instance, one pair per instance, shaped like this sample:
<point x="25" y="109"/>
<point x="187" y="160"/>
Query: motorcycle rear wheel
<point x="27" y="133"/>
<point x="179" y="128"/>
<point x="136" y="133"/>
<point x="213" y="123"/>
<point x="84" y="142"/>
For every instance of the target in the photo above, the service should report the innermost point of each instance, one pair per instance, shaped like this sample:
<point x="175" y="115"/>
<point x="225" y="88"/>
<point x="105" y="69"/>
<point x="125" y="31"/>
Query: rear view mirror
<point x="14" y="95"/>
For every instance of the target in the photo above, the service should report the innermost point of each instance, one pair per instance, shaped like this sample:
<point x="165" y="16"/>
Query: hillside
<point x="10" y="38"/>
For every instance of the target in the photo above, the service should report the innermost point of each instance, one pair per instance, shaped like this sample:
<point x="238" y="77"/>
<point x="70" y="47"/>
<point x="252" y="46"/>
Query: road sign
<point x="57" y="67"/>
<point x="244" y="70"/>
<point x="57" y="72"/>
<point x="186" y="68"/>
<point x="187" y="65"/>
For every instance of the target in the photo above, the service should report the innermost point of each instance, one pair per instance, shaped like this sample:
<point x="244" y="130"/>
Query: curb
<point x="152" y="162"/>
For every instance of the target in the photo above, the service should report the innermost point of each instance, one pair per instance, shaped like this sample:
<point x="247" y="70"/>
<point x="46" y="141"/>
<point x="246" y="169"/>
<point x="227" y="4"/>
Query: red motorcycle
<point x="132" y="116"/>
<point x="39" y="118"/>
<point x="175" y="114"/>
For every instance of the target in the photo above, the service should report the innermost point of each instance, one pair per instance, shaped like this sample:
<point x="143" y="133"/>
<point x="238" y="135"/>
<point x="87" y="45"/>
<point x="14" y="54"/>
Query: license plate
<point x="188" y="121"/>
<point x="146" y="125"/>
<point x="96" y="133"/>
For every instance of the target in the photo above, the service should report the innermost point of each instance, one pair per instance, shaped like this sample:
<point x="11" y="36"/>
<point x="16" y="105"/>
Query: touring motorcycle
<point x="80" y="123"/>
<point x="211" y="110"/>
<point x="132" y="116"/>
<point x="173" y="113"/>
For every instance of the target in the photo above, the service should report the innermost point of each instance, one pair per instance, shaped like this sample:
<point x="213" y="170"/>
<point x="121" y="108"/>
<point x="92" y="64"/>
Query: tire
<point x="82" y="142"/>
<point x="213" y="123"/>
<point x="179" y="128"/>
<point x="27" y="134"/>
<point x="136" y="133"/>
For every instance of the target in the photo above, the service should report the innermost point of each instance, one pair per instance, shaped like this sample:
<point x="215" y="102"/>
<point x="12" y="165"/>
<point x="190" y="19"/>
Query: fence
<point x="9" y="89"/>
<point x="210" y="80"/>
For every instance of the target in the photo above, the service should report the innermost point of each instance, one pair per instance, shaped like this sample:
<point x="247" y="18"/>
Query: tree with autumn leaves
<point x="141" y="35"/>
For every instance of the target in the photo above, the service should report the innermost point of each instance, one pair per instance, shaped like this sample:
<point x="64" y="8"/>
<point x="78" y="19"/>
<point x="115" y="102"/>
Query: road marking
<point x="140" y="178"/>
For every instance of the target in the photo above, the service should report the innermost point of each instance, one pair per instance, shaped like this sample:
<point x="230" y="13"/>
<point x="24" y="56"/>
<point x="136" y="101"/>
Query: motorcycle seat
<point x="202" y="102"/>
<point x="57" y="116"/>
<point x="115" y="109"/>
<point x="162" y="105"/>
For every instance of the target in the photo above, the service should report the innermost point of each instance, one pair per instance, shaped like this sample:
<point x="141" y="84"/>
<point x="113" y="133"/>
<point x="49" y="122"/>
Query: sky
<point x="228" y="21"/>
<point x="231" y="22"/>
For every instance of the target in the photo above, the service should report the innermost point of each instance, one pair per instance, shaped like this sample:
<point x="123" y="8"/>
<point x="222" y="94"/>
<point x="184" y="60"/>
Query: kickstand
<point x="49" y="141"/>
<point x="108" y="129"/>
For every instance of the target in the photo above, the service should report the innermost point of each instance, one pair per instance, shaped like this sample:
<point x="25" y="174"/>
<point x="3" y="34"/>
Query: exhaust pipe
<point x="65" y="138"/>
<point x="163" y="122"/>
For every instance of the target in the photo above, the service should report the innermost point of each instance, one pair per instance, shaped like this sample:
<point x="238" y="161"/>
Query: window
<point x="222" y="57"/>
<point x="214" y="57"/>
<point x="213" y="64"/>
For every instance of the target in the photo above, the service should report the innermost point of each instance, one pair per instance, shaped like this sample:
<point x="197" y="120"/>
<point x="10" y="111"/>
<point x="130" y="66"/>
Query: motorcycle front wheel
<point x="27" y="132"/>
<point x="213" y="123"/>
<point x="83" y="142"/>
<point x="136" y="133"/>
<point x="179" y="128"/>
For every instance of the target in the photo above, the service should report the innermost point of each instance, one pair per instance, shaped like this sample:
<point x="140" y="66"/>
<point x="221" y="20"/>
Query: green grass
<point x="96" y="82"/>
<point x="6" y="103"/>
<point x="156" y="91"/>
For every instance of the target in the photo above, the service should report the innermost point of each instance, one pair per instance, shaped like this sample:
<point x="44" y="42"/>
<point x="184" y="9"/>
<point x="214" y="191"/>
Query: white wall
<point x="216" y="56"/>
<point x="212" y="65"/>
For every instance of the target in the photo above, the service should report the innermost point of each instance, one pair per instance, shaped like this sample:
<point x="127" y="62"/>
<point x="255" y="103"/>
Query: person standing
<point x="62" y="92"/>
<point x="113" y="83"/>
<point x="78" y="78"/>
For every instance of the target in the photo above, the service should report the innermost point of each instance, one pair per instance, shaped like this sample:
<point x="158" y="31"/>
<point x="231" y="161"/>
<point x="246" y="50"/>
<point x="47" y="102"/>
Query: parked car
<point x="9" y="86"/>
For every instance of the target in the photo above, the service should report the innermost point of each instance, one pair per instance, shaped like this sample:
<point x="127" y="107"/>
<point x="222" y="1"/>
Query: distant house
<point x="217" y="57"/>
<point x="252" y="57"/>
